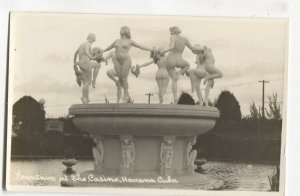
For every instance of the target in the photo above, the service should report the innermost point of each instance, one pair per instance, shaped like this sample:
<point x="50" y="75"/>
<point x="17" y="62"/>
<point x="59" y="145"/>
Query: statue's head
<point x="199" y="50"/>
<point x="91" y="37"/>
<point x="126" y="141"/>
<point x="175" y="30"/>
<point x="125" y="31"/>
<point x="169" y="141"/>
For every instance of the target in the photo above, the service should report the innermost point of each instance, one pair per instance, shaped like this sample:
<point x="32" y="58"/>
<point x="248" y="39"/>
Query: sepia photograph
<point x="144" y="102"/>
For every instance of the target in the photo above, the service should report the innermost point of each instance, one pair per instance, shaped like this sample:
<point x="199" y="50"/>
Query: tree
<point x="274" y="108"/>
<point x="254" y="113"/>
<point x="228" y="106"/>
<point x="186" y="99"/>
<point x="30" y="115"/>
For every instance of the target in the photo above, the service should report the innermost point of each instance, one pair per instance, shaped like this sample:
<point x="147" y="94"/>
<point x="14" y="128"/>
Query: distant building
<point x="54" y="125"/>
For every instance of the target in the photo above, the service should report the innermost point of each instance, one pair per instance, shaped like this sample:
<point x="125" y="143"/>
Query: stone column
<point x="98" y="153"/>
<point x="127" y="155"/>
<point x="166" y="155"/>
<point x="191" y="155"/>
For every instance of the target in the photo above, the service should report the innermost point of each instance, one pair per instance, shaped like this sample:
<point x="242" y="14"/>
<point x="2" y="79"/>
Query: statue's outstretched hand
<point x="153" y="52"/>
<point x="135" y="70"/>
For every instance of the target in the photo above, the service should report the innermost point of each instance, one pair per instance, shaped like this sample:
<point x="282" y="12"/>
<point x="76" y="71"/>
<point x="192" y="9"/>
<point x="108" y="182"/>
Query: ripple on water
<point x="241" y="176"/>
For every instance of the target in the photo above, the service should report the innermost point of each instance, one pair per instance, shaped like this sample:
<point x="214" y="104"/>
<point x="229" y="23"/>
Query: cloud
<point x="57" y="58"/>
<point x="42" y="83"/>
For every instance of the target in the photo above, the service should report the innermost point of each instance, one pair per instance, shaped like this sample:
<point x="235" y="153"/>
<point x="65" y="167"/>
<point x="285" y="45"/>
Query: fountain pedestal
<point x="145" y="141"/>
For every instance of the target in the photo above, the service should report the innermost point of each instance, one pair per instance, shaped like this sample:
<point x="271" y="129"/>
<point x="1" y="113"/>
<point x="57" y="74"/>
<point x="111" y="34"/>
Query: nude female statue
<point x="191" y="154"/>
<point x="166" y="154"/>
<point x="128" y="153"/>
<point x="122" y="60"/>
<point x="174" y="58"/>
<point x="162" y="76"/>
<point x="87" y="74"/>
<point x="205" y="69"/>
<point x="112" y="74"/>
<point x="98" y="151"/>
<point x="196" y="75"/>
<point x="213" y="72"/>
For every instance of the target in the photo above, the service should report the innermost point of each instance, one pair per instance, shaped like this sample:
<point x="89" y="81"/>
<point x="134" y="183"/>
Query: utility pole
<point x="263" y="98"/>
<point x="263" y="111"/>
<point x="149" y="95"/>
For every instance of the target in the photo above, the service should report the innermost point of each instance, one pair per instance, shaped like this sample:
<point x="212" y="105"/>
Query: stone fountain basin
<point x="144" y="119"/>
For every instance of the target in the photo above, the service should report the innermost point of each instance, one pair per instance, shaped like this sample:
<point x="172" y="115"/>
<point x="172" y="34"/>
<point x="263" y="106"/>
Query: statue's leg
<point x="165" y="82"/>
<point x="213" y="74"/>
<point x="198" y="90"/>
<point x="78" y="74"/>
<point x="170" y="65"/>
<point x="184" y="65"/>
<point x="118" y="69"/>
<point x="192" y="79"/>
<point x="87" y="73"/>
<point x="160" y="87"/>
<point x="96" y="67"/>
<point x="207" y="91"/>
<point x="125" y="71"/>
<point x="119" y="92"/>
<point x="111" y="73"/>
<point x="172" y="73"/>
<point x="86" y="85"/>
<point x="85" y="92"/>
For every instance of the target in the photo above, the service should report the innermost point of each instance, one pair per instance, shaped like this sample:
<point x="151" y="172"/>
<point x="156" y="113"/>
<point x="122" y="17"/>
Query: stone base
<point x="94" y="179"/>
<point x="98" y="168"/>
<point x="166" y="172"/>
<point x="191" y="169"/>
<point x="126" y="171"/>
<point x="146" y="136"/>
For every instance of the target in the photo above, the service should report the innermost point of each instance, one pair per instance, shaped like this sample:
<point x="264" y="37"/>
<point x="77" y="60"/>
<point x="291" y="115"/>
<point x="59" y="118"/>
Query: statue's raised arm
<point x="111" y="46"/>
<point x="189" y="45"/>
<point x="171" y="45"/>
<point x="135" y="44"/>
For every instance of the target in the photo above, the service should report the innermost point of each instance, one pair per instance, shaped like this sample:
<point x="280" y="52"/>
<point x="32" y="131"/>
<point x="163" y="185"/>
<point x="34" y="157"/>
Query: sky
<point x="42" y="47"/>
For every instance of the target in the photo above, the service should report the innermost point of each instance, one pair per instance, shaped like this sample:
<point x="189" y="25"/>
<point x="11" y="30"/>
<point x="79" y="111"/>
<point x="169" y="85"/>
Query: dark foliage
<point x="31" y="114"/>
<point x="186" y="99"/>
<point x="228" y="106"/>
<point x="52" y="143"/>
<point x="243" y="140"/>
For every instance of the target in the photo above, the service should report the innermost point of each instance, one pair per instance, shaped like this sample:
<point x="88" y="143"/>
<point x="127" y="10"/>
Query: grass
<point x="274" y="180"/>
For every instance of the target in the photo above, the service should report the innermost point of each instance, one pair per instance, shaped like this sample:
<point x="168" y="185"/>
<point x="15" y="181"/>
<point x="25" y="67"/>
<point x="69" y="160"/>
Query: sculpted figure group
<point x="167" y="61"/>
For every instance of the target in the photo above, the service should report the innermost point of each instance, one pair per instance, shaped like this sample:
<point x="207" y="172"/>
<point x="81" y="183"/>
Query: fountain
<point x="69" y="163"/>
<point x="144" y="142"/>
<point x="147" y="143"/>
